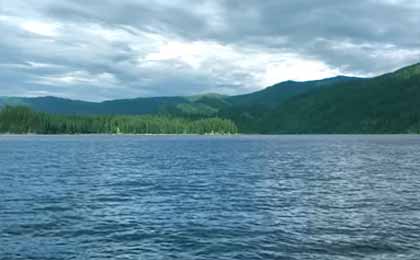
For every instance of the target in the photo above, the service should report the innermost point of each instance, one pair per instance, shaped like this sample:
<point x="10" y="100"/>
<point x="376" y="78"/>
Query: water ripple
<point x="243" y="197"/>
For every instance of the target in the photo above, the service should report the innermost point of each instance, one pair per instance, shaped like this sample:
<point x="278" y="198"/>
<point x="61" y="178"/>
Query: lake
<point x="202" y="197"/>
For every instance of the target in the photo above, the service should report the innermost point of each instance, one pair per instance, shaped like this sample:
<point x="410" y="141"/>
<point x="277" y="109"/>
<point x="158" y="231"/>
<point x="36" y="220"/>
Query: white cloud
<point x="36" y="65"/>
<point x="41" y="28"/>
<point x="225" y="62"/>
<point x="186" y="47"/>
<point x="192" y="53"/>
<point x="38" y="27"/>
<point x="104" y="79"/>
<point x="298" y="69"/>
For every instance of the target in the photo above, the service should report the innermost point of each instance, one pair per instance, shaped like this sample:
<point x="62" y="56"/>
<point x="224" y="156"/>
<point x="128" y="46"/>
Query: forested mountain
<point x="54" y="105"/>
<point x="194" y="106"/>
<point x="385" y="104"/>
<point x="276" y="94"/>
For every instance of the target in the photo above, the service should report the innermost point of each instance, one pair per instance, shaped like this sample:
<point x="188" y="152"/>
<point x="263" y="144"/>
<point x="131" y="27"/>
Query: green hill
<point x="195" y="106"/>
<point x="384" y="104"/>
<point x="274" y="95"/>
<point x="137" y="106"/>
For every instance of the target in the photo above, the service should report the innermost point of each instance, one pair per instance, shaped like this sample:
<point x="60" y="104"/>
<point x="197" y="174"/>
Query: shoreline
<point x="215" y="135"/>
<point x="105" y="134"/>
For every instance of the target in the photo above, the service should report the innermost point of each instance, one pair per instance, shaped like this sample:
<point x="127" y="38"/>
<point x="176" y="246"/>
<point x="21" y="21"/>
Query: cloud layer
<point x="107" y="49"/>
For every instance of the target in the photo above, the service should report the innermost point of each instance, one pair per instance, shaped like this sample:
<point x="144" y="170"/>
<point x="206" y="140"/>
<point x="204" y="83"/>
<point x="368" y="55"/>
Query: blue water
<point x="241" y="197"/>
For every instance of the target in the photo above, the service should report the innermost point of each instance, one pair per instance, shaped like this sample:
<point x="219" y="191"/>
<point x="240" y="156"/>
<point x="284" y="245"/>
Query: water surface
<point x="193" y="197"/>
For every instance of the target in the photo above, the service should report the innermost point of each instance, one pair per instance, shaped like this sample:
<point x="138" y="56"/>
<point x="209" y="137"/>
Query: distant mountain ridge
<point x="198" y="105"/>
<point x="280" y="92"/>
<point x="389" y="103"/>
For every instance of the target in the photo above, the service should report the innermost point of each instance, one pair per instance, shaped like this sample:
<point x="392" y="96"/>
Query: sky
<point x="109" y="49"/>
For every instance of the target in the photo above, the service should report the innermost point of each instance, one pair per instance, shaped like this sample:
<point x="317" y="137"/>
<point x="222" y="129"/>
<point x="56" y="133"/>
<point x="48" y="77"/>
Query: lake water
<point x="197" y="197"/>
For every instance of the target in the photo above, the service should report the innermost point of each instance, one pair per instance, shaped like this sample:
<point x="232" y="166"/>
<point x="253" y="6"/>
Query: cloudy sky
<point x="107" y="49"/>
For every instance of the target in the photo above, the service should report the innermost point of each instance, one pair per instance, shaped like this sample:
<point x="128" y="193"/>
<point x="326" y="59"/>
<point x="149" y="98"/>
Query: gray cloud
<point x="105" y="49"/>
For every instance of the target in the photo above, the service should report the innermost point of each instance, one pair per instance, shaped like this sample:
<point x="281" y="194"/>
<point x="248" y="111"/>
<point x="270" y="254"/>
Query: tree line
<point x="23" y="120"/>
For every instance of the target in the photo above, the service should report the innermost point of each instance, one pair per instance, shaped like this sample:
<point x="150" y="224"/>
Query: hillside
<point x="274" y="95"/>
<point x="384" y="104"/>
<point x="54" y="105"/>
<point x="192" y="106"/>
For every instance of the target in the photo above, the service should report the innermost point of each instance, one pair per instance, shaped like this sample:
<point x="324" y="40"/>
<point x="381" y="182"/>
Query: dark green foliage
<point x="22" y="120"/>
<point x="137" y="106"/>
<point x="249" y="119"/>
<point x="206" y="105"/>
<point x="190" y="110"/>
<point x="274" y="95"/>
<point x="180" y="106"/>
<point x="385" y="104"/>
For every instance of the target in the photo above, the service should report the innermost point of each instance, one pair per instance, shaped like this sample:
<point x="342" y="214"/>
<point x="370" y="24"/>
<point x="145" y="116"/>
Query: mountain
<point x="386" y="104"/>
<point x="137" y="106"/>
<point x="248" y="110"/>
<point x="51" y="104"/>
<point x="195" y="106"/>
<point x="280" y="92"/>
